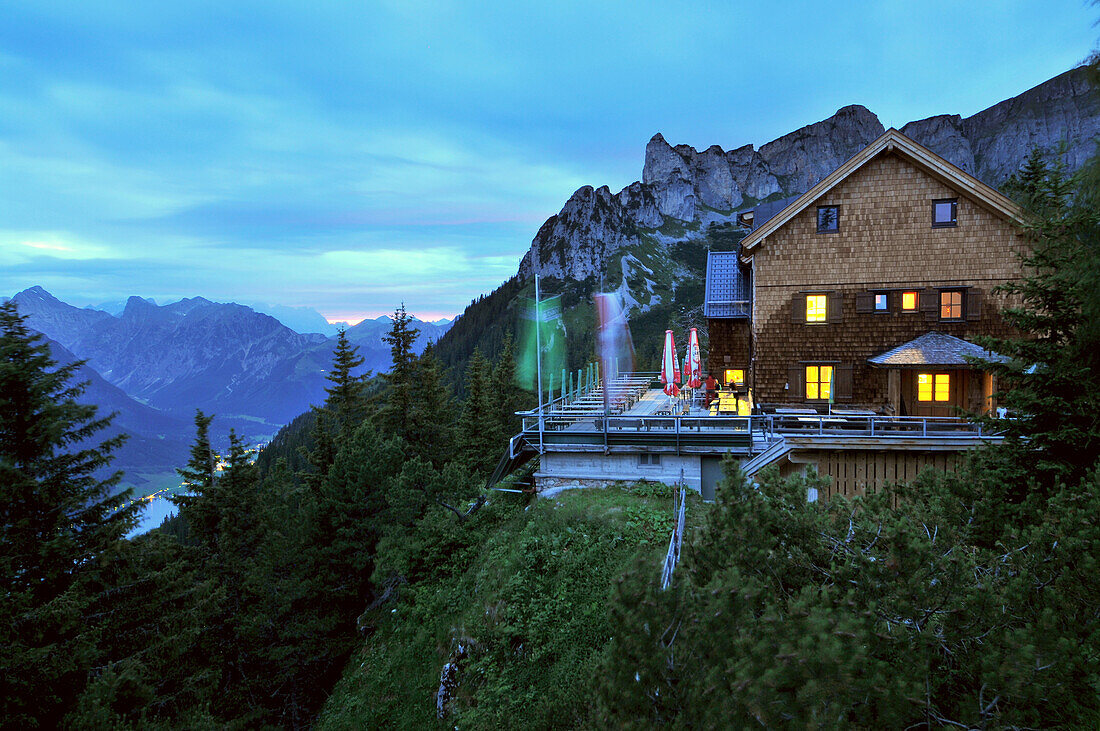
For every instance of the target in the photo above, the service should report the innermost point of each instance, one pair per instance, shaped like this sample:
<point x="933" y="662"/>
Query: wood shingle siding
<point x="885" y="244"/>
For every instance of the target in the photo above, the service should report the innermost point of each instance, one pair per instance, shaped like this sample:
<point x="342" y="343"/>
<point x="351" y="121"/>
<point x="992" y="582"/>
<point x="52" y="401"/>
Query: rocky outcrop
<point x="994" y="143"/>
<point x="680" y="183"/>
<point x="803" y="157"/>
<point x="593" y="225"/>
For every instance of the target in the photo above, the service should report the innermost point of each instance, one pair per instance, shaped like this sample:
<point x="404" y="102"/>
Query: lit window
<point x="933" y="386"/>
<point x="819" y="382"/>
<point x="736" y="376"/>
<point x="951" y="305"/>
<point x="815" y="307"/>
<point x="944" y="212"/>
<point x="880" y="303"/>
<point x="828" y="219"/>
<point x="908" y="300"/>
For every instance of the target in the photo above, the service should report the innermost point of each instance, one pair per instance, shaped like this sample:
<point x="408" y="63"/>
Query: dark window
<point x="649" y="459"/>
<point x="944" y="212"/>
<point x="828" y="219"/>
<point x="951" y="305"/>
<point x="881" y="302"/>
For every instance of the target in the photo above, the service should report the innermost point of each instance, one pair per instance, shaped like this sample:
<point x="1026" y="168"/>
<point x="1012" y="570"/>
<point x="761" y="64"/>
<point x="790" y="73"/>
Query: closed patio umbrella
<point x="670" y="366"/>
<point x="693" y="362"/>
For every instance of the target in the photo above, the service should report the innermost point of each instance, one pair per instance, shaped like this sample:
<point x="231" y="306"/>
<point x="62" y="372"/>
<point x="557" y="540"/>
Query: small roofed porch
<point x="938" y="374"/>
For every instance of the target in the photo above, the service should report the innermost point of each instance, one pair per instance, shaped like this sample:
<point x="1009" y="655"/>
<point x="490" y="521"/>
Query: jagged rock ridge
<point x="682" y="184"/>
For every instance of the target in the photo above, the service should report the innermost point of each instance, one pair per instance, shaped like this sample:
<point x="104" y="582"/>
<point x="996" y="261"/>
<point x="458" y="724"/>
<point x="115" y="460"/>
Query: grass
<point x="524" y="588"/>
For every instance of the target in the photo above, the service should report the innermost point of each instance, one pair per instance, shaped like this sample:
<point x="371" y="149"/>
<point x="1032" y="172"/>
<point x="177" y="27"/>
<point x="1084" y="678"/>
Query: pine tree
<point x="198" y="478"/>
<point x="480" y="437"/>
<point x="430" y="430"/>
<point x="345" y="397"/>
<point x="1053" y="378"/>
<point x="335" y="420"/>
<point x="399" y="399"/>
<point x="58" y="520"/>
<point x="510" y="398"/>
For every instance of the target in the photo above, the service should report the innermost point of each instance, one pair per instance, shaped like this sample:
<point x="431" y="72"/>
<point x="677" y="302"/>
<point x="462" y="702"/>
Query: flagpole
<point x="538" y="360"/>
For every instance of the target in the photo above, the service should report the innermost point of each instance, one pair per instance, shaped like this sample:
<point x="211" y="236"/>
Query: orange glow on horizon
<point x="353" y="319"/>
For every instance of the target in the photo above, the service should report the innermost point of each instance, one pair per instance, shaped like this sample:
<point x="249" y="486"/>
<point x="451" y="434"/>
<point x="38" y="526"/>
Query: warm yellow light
<point x="943" y="387"/>
<point x="908" y="300"/>
<point x="736" y="376"/>
<point x="815" y="307"/>
<point x="950" y="305"/>
<point x="933" y="387"/>
<point x="819" y="382"/>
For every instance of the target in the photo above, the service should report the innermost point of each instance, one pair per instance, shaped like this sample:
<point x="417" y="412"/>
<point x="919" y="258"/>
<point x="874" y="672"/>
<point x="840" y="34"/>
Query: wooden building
<point x="868" y="290"/>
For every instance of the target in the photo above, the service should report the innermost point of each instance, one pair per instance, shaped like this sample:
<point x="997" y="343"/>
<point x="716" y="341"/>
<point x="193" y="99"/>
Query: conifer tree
<point x="430" y="427"/>
<point x="345" y="396"/>
<point x="198" y="478"/>
<point x="510" y="398"/>
<point x="399" y="399"/>
<point x="343" y="411"/>
<point x="58" y="519"/>
<point x="480" y="436"/>
<point x="1053" y="378"/>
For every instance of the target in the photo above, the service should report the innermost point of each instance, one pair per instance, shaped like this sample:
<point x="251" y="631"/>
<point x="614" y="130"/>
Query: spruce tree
<point x="480" y="437"/>
<point x="430" y="430"/>
<point x="345" y="396"/>
<point x="399" y="399"/>
<point x="510" y="398"/>
<point x="198" y="479"/>
<point x="1053" y="378"/>
<point x="58" y="520"/>
<point x="335" y="420"/>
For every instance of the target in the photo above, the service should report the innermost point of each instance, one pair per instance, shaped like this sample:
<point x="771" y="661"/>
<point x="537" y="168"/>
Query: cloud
<point x="347" y="156"/>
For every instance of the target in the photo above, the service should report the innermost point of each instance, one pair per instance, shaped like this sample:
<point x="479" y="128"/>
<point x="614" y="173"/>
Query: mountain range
<point x="156" y="364"/>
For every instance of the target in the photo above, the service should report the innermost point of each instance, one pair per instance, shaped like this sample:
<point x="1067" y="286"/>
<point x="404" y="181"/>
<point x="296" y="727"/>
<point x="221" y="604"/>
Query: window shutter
<point x="974" y="303"/>
<point x="844" y="382"/>
<point x="835" y="307"/>
<point x="795" y="387"/>
<point x="865" y="302"/>
<point x="930" y="303"/>
<point x="798" y="309"/>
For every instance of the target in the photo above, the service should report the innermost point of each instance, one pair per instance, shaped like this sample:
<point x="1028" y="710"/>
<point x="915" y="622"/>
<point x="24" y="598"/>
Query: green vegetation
<point x="522" y="588"/>
<point x="378" y="564"/>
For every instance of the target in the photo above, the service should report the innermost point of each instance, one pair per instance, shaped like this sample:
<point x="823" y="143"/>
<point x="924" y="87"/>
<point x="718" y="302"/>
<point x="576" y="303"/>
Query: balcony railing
<point x="742" y="434"/>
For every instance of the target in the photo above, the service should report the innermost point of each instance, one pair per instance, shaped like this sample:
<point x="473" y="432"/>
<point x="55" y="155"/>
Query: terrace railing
<point x="747" y="434"/>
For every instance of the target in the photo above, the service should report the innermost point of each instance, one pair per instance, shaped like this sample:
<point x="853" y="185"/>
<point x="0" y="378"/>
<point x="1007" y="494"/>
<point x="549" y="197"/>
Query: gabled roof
<point x="935" y="349"/>
<point x="891" y="141"/>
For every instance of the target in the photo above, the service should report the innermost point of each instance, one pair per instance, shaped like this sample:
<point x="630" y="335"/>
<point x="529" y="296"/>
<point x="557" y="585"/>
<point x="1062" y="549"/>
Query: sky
<point x="350" y="156"/>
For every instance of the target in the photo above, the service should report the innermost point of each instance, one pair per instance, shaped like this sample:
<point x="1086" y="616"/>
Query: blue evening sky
<point x="348" y="156"/>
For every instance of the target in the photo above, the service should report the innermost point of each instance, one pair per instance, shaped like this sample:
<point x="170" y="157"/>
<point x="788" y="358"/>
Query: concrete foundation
<point x="587" y="469"/>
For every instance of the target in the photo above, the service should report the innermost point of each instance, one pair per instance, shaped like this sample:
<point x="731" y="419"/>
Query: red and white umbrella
<point x="693" y="362"/>
<point x="670" y="366"/>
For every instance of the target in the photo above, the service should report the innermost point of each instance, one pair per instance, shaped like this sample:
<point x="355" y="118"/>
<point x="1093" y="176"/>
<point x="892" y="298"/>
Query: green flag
<point x="550" y="331"/>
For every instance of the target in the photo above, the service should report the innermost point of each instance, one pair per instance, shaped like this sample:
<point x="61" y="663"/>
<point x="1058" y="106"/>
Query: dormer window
<point x="945" y="212"/>
<point x="828" y="219"/>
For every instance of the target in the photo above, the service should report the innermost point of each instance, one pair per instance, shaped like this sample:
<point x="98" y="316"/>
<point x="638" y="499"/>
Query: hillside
<point x="517" y="597"/>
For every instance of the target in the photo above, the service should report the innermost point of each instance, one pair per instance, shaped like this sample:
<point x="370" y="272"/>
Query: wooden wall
<point x="853" y="472"/>
<point x="729" y="345"/>
<point x="886" y="241"/>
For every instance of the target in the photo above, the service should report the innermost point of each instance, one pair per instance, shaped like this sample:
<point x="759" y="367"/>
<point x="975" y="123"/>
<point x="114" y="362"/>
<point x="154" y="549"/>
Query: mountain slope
<point x="222" y="358"/>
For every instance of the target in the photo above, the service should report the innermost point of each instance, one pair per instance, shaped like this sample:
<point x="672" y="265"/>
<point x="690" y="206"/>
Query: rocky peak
<point x="683" y="185"/>
<point x="802" y="158"/>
